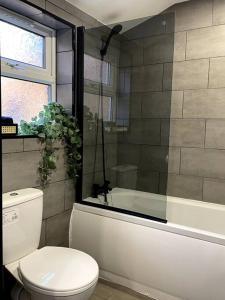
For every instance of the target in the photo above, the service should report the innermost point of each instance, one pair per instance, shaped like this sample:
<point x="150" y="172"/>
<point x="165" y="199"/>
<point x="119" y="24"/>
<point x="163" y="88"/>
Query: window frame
<point x="27" y="72"/>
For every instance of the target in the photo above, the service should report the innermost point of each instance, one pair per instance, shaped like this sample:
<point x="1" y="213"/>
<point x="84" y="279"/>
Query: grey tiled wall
<point x="20" y="170"/>
<point x="64" y="67"/>
<point x="200" y="76"/>
<point x="195" y="127"/>
<point x="145" y="52"/>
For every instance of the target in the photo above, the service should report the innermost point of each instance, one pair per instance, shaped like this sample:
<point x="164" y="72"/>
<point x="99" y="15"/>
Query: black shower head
<point x="115" y="30"/>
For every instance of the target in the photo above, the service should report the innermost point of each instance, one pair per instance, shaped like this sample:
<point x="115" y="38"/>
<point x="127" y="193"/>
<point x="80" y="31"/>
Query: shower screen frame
<point x="80" y="115"/>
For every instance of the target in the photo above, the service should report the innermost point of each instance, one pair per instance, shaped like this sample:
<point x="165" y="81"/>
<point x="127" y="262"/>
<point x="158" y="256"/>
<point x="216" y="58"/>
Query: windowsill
<point x="3" y="137"/>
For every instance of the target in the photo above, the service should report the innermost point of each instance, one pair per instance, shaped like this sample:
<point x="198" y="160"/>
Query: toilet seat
<point x="58" y="271"/>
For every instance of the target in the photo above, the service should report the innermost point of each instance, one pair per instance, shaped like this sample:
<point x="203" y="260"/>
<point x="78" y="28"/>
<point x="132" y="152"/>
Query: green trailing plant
<point x="54" y="125"/>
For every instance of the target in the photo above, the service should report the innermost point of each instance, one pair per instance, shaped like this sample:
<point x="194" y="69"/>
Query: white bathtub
<point x="183" y="259"/>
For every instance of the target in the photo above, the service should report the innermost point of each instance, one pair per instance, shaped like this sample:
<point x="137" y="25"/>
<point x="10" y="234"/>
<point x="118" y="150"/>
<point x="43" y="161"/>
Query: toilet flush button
<point x="10" y="217"/>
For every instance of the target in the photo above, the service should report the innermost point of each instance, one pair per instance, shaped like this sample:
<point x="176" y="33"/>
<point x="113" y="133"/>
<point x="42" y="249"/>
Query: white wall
<point x="109" y="12"/>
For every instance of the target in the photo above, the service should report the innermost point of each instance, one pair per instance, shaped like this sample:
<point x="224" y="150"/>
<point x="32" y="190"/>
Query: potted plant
<point x="51" y="126"/>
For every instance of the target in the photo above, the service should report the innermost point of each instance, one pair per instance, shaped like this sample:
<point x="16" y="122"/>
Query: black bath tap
<point x="98" y="189"/>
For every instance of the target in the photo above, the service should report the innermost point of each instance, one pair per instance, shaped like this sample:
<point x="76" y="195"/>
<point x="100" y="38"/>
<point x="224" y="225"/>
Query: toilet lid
<point x="58" y="271"/>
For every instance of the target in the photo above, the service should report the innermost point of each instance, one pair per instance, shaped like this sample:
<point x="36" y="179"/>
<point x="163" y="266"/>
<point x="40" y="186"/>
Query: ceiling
<point x="114" y="11"/>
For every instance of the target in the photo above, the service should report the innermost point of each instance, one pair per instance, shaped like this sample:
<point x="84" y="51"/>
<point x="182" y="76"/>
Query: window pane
<point x="92" y="69"/>
<point x="21" y="45"/>
<point x="22" y="100"/>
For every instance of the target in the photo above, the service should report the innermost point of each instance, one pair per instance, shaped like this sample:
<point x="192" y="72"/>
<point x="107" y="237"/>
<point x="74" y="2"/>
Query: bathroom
<point x="136" y="190"/>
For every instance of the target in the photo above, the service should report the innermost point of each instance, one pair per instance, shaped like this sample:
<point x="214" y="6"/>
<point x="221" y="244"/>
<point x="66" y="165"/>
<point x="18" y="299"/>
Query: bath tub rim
<point x="190" y="232"/>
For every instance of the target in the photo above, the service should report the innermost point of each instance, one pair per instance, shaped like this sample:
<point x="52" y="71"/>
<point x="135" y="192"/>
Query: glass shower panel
<point x="132" y="152"/>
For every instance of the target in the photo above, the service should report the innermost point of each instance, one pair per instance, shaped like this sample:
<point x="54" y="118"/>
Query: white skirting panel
<point x="155" y="262"/>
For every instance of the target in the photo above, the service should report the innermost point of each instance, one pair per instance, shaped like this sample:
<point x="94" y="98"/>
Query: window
<point x="23" y="99"/>
<point x="27" y="66"/>
<point x="25" y="46"/>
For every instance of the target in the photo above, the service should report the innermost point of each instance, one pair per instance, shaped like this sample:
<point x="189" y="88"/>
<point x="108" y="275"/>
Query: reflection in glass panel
<point x="92" y="104"/>
<point x="22" y="100"/>
<point x="92" y="69"/>
<point x="21" y="45"/>
<point x="131" y="157"/>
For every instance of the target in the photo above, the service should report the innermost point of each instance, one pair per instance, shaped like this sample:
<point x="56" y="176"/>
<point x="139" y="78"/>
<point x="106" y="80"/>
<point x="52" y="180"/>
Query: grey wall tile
<point x="215" y="134"/>
<point x="184" y="133"/>
<point x="31" y="144"/>
<point x="147" y="78"/>
<point x="135" y="105"/>
<point x="217" y="74"/>
<point x="151" y="131"/>
<point x="70" y="196"/>
<point x="12" y="145"/>
<point x="206" y="42"/>
<point x="137" y="79"/>
<point x="214" y="191"/>
<point x="163" y="159"/>
<point x="164" y="48"/>
<point x="133" y="134"/>
<point x="110" y="134"/>
<point x="64" y="40"/>
<point x="89" y="158"/>
<point x="128" y="154"/>
<point x="162" y="104"/>
<point x="57" y="229"/>
<point x="64" y="67"/>
<point x="148" y="181"/>
<point x="191" y="74"/>
<point x="179" y="46"/>
<point x="193" y="14"/>
<point x="126" y="176"/>
<point x="124" y="86"/>
<point x="20" y="170"/>
<point x="218" y="12"/>
<point x="173" y="160"/>
<point x="53" y="199"/>
<point x="204" y="103"/>
<point x="110" y="155"/>
<point x="87" y="183"/>
<point x="34" y="144"/>
<point x="143" y="131"/>
<point x="64" y="96"/>
<point x="189" y="187"/>
<point x="158" y="49"/>
<point x="131" y="53"/>
<point x="203" y="162"/>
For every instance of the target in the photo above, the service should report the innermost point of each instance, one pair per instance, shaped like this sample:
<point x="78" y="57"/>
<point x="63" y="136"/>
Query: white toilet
<point x="42" y="274"/>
